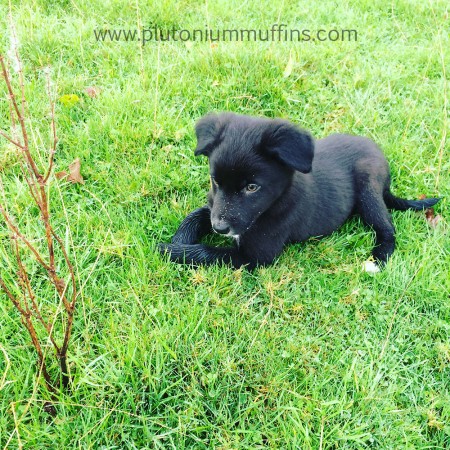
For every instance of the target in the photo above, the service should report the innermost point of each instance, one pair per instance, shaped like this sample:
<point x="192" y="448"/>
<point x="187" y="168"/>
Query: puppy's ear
<point x="290" y="145"/>
<point x="209" y="131"/>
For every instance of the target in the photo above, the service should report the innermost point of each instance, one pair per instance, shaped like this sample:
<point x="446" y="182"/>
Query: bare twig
<point x="10" y="139"/>
<point x="53" y="126"/>
<point x="21" y="119"/>
<point x="28" y="290"/>
<point x="17" y="233"/>
<point x="28" y="306"/>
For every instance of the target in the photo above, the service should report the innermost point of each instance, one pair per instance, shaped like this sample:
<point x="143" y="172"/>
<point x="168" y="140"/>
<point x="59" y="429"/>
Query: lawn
<point x="309" y="353"/>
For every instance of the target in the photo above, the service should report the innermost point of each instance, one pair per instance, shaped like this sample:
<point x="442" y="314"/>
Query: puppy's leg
<point x="198" y="254"/>
<point x="196" y="225"/>
<point x="373" y="211"/>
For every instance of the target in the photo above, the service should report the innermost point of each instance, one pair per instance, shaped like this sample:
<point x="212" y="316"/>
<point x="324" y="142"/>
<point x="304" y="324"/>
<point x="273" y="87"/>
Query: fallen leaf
<point x="75" y="172"/>
<point x="432" y="219"/>
<point x="289" y="67"/>
<point x="429" y="214"/>
<point x="61" y="175"/>
<point x="92" y="91"/>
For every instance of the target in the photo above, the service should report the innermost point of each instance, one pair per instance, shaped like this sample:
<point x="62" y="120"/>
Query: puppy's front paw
<point x="371" y="267"/>
<point x="175" y="252"/>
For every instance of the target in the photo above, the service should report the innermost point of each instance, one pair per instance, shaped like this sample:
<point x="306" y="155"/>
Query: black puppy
<point x="271" y="184"/>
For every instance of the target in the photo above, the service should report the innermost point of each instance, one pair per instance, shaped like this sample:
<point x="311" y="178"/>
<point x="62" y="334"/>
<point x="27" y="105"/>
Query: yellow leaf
<point x="289" y="66"/>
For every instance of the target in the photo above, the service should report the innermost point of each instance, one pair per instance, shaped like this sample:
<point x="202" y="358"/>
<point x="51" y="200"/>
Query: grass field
<point x="310" y="353"/>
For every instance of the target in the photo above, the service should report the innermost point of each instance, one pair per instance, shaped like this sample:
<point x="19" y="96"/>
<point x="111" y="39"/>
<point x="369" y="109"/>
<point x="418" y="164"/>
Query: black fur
<point x="271" y="184"/>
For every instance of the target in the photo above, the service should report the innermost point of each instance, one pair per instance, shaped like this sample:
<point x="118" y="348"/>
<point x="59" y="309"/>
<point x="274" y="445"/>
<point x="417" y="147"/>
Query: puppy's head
<point x="252" y="161"/>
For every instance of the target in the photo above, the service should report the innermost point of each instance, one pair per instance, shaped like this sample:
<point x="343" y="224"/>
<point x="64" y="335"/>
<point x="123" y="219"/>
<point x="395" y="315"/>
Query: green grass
<point x="310" y="353"/>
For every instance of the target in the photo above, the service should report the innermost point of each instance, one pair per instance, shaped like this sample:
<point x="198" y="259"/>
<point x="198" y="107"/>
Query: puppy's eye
<point x="252" y="187"/>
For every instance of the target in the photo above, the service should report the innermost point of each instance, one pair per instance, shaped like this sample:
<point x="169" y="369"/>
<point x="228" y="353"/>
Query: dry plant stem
<point x="20" y="117"/>
<point x="16" y="232"/>
<point x="26" y="320"/>
<point x="27" y="290"/>
<point x="31" y="184"/>
<point x="53" y="125"/>
<point x="17" y="144"/>
<point x="37" y="183"/>
<point x="41" y="181"/>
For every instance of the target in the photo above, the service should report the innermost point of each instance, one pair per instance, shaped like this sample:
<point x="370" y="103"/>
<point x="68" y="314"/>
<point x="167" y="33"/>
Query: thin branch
<point x="28" y="289"/>
<point x="71" y="270"/>
<point x="37" y="183"/>
<point x="21" y="119"/>
<point x="10" y="139"/>
<point x="31" y="184"/>
<point x="53" y="126"/>
<point x="26" y="319"/>
<point x="11" y="296"/>
<point x="20" y="275"/>
<point x="17" y="233"/>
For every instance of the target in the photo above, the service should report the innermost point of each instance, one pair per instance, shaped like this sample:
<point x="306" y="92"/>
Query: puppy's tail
<point x="401" y="204"/>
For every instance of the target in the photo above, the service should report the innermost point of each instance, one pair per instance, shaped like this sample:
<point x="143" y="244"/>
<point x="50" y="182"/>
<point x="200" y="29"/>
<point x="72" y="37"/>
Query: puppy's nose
<point x="221" y="227"/>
